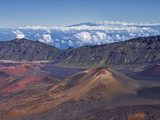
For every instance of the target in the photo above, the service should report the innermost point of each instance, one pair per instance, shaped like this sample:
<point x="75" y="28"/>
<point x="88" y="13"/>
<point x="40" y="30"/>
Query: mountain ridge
<point x="127" y="52"/>
<point x="23" y="49"/>
<point x="137" y="51"/>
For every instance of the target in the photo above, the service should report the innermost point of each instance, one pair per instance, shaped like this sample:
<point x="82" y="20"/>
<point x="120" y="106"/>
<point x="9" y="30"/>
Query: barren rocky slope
<point x="138" y="51"/>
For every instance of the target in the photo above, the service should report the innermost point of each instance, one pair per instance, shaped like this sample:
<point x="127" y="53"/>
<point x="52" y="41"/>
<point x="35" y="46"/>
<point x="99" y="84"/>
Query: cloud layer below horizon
<point x="91" y="33"/>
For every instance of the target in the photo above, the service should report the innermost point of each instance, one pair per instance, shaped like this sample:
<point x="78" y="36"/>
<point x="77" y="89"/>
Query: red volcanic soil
<point x="14" y="77"/>
<point x="5" y="79"/>
<point x="20" y="85"/>
<point x="103" y="71"/>
<point x="24" y="77"/>
<point x="99" y="71"/>
<point x="19" y="70"/>
<point x="30" y="80"/>
<point x="13" y="88"/>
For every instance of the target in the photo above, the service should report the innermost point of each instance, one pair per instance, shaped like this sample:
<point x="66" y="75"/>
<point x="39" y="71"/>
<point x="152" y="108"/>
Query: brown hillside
<point x="152" y="73"/>
<point x="96" y="84"/>
<point x="93" y="84"/>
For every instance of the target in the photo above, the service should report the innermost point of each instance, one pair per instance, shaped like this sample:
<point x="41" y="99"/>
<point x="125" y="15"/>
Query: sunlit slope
<point x="100" y="83"/>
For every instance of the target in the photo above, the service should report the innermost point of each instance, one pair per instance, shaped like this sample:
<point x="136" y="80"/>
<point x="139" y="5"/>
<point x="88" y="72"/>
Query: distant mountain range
<point x="138" y="51"/>
<point x="90" y="33"/>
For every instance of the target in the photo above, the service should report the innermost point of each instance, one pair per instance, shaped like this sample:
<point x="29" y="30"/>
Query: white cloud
<point x="18" y="34"/>
<point x="48" y="30"/>
<point x="85" y="37"/>
<point x="46" y="38"/>
<point x="132" y="34"/>
<point x="63" y="42"/>
<point x="57" y="40"/>
<point x="37" y="35"/>
<point x="70" y="43"/>
<point x="95" y="38"/>
<point x="124" y="23"/>
<point x="92" y="33"/>
<point x="99" y="25"/>
<point x="65" y="38"/>
<point x="117" y="36"/>
<point x="101" y="35"/>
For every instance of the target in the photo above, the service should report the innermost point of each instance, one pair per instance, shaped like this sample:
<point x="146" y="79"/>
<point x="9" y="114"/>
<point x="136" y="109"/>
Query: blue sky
<point x="15" y="13"/>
